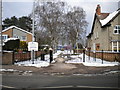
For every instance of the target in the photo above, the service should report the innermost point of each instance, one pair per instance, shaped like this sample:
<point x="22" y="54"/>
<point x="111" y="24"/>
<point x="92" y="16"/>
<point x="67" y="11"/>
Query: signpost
<point x="32" y="46"/>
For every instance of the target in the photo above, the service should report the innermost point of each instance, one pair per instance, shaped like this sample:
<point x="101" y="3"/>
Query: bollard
<point x="32" y="56"/>
<point x="89" y="54"/>
<point x="51" y="54"/>
<point x="42" y="56"/>
<point x="83" y="55"/>
<point x="13" y="57"/>
<point x="102" y="56"/>
<point x="95" y="56"/>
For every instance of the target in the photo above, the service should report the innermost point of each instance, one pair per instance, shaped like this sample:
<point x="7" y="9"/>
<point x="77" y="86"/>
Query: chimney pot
<point x="98" y="10"/>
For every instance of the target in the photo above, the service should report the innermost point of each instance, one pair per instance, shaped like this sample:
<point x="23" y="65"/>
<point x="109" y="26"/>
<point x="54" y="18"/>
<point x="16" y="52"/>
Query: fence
<point x="104" y="55"/>
<point x="22" y="56"/>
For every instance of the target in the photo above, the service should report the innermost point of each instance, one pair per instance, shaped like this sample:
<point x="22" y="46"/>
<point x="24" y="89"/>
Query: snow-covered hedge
<point x="11" y="43"/>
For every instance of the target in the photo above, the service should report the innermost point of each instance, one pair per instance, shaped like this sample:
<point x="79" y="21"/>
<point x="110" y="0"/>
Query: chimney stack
<point x="98" y="10"/>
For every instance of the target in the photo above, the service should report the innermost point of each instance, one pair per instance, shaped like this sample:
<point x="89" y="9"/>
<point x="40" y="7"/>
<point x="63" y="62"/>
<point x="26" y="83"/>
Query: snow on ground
<point x="16" y="71"/>
<point x="91" y="62"/>
<point x="38" y="62"/>
<point x="75" y="59"/>
<point x="6" y="70"/>
<point x="13" y="70"/>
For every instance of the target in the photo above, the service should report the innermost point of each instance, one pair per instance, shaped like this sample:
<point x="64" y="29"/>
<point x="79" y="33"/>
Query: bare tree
<point x="57" y="22"/>
<point x="48" y="16"/>
<point x="75" y="25"/>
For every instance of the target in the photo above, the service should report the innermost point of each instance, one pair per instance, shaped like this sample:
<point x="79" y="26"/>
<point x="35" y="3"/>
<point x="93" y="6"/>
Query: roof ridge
<point x="109" y="18"/>
<point x="17" y="28"/>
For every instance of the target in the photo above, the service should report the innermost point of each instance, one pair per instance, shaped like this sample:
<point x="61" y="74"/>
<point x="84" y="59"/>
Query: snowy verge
<point x="91" y="62"/>
<point x="13" y="70"/>
<point x="74" y="59"/>
<point x="35" y="64"/>
<point x="38" y="62"/>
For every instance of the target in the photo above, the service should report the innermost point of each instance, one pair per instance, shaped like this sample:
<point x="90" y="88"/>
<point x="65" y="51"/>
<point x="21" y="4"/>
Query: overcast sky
<point x="21" y="8"/>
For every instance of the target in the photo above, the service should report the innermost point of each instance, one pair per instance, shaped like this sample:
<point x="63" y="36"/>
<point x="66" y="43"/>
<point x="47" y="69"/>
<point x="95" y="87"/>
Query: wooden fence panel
<point x="22" y="56"/>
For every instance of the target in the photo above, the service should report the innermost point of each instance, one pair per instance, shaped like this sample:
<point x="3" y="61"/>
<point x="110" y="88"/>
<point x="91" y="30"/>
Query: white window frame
<point x="15" y="36"/>
<point x="116" y="29"/>
<point x="4" y="35"/>
<point x="115" y="46"/>
<point x="23" y="39"/>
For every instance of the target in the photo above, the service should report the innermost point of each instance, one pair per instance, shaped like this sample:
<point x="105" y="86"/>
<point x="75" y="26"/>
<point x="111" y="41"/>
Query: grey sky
<point x="21" y="8"/>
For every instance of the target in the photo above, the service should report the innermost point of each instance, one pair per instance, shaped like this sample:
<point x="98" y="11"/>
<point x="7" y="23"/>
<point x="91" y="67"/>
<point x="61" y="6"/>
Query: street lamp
<point x="1" y="31"/>
<point x="33" y="39"/>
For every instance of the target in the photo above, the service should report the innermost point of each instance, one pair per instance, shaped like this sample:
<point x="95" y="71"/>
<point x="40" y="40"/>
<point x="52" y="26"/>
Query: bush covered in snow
<point x="11" y="43"/>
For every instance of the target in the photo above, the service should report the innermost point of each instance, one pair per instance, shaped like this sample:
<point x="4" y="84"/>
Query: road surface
<point x="39" y="82"/>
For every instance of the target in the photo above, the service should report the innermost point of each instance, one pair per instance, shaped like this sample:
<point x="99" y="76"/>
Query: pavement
<point x="59" y="67"/>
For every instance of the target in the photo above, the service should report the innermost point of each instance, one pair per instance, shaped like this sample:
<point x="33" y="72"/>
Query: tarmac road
<point x="60" y="82"/>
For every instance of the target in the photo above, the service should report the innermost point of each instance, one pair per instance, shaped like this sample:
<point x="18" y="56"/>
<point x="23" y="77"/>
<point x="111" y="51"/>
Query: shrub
<point x="23" y="45"/>
<point x="12" y="44"/>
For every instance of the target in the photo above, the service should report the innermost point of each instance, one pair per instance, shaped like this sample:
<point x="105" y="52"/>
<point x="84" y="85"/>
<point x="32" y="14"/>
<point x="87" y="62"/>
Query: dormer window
<point x="117" y="29"/>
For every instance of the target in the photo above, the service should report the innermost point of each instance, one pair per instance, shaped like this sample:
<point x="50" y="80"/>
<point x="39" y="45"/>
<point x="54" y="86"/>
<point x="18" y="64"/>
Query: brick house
<point x="105" y="33"/>
<point x="15" y="32"/>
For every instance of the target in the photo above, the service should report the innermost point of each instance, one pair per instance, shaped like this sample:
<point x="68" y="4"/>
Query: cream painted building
<point x="105" y="33"/>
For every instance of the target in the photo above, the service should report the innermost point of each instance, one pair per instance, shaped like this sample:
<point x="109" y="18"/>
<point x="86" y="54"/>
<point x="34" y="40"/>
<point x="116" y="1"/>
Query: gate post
<point x="51" y="54"/>
<point x="83" y="55"/>
<point x="13" y="57"/>
<point x="102" y="56"/>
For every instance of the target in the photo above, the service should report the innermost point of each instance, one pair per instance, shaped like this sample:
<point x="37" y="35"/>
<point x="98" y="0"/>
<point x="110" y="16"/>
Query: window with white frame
<point x="117" y="29"/>
<point x="116" y="46"/>
<point x="15" y="36"/>
<point x="23" y="38"/>
<point x="4" y="37"/>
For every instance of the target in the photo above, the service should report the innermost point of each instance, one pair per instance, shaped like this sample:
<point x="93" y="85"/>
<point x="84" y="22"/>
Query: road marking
<point x="6" y="86"/>
<point x="66" y="87"/>
<point x="80" y="87"/>
<point x="58" y="87"/>
<point x="97" y="87"/>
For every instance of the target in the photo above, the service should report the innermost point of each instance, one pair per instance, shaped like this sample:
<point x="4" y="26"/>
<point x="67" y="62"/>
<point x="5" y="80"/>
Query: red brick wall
<point x="7" y="58"/>
<point x="8" y="32"/>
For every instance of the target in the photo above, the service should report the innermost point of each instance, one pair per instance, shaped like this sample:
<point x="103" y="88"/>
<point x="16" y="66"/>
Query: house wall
<point x="89" y="42"/>
<point x="103" y="36"/>
<point x="18" y="33"/>
<point x="21" y="33"/>
<point x="29" y="38"/>
<point x="113" y="36"/>
<point x="9" y="33"/>
<point x="96" y="37"/>
<point x="104" y="42"/>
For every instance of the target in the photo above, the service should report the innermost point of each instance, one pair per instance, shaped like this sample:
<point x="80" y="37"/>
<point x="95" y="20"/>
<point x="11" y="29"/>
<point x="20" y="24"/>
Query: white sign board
<point x="32" y="46"/>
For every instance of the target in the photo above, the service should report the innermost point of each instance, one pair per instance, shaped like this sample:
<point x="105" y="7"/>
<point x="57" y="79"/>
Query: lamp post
<point x="33" y="39"/>
<point x="1" y="32"/>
